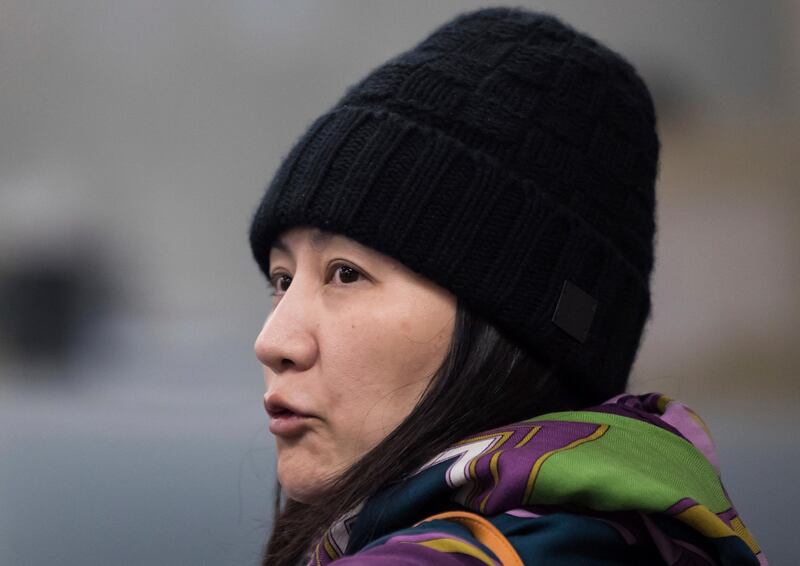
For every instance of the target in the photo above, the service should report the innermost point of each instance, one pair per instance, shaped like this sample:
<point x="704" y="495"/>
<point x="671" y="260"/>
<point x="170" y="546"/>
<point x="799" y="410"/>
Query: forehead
<point x="319" y="239"/>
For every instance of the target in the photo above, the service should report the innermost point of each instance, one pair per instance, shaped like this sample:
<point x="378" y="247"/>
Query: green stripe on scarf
<point x="665" y="468"/>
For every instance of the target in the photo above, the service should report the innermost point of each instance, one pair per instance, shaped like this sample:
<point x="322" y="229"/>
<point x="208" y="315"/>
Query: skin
<point x="354" y="349"/>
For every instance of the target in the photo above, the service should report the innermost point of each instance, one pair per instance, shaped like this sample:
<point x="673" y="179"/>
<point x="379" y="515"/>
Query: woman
<point x="460" y="252"/>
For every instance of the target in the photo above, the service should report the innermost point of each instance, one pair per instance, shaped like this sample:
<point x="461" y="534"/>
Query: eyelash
<point x="272" y="282"/>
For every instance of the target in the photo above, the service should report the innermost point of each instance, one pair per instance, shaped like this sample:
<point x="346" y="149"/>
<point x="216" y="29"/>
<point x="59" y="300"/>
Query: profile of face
<point x="352" y="341"/>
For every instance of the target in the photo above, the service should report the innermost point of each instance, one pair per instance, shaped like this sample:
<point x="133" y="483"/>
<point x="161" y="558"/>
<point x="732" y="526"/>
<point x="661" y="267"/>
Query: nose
<point x="287" y="341"/>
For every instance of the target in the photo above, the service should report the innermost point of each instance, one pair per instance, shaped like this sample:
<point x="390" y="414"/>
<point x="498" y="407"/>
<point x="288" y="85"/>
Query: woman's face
<point x="351" y="343"/>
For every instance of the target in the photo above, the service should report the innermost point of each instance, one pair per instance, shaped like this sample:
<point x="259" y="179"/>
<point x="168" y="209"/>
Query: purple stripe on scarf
<point x="638" y="414"/>
<point x="523" y="513"/>
<point x="515" y="464"/>
<point x="728" y="515"/>
<point x="681" y="506"/>
<point x="429" y="535"/>
<point x="683" y="418"/>
<point x="407" y="555"/>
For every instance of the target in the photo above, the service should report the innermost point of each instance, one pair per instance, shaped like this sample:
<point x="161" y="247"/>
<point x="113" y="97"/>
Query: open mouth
<point x="284" y="420"/>
<point x="282" y="414"/>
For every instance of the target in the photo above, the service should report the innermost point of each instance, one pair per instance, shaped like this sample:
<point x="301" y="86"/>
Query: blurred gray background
<point x="136" y="139"/>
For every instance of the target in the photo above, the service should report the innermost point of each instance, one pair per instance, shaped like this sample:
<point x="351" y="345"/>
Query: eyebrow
<point x="318" y="239"/>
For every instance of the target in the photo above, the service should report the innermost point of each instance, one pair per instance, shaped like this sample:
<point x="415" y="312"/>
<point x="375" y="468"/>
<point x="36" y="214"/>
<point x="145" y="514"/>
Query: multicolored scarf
<point x="644" y="465"/>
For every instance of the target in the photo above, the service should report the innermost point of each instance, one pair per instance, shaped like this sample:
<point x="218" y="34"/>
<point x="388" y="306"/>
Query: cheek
<point x="380" y="362"/>
<point x="418" y="335"/>
<point x="378" y="353"/>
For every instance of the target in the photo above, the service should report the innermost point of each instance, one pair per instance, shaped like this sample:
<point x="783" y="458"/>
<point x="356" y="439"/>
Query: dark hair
<point x="485" y="381"/>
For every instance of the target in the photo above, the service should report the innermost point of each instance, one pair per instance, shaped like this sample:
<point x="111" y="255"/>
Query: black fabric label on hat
<point x="574" y="311"/>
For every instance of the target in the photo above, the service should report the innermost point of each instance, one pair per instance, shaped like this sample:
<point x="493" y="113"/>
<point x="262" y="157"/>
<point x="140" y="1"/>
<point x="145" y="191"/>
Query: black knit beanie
<point x="512" y="160"/>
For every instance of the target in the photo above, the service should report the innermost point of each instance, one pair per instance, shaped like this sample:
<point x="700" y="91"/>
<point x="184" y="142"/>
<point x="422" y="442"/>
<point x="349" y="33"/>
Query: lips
<point x="276" y="407"/>
<point x="285" y="419"/>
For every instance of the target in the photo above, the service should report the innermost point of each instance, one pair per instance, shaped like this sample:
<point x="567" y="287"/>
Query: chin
<point x="300" y="485"/>
<point x="303" y="493"/>
<point x="304" y="477"/>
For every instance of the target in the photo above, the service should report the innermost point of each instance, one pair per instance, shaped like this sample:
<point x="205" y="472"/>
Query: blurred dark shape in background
<point x="47" y="305"/>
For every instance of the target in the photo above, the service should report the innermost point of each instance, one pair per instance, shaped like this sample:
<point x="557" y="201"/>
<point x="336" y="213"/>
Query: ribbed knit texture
<point x="503" y="155"/>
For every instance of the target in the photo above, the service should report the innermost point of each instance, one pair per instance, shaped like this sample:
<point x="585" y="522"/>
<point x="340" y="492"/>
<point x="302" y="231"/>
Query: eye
<point x="277" y="282"/>
<point x="347" y="273"/>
